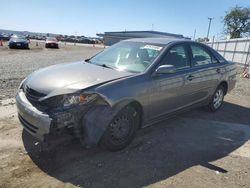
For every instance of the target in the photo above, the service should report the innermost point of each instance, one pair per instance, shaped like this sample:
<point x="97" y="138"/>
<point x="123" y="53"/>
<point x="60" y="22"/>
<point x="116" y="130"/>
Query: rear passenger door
<point x="203" y="77"/>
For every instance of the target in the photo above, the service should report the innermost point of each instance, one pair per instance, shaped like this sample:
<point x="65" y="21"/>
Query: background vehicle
<point x="18" y="41"/>
<point x="4" y="37"/>
<point x="131" y="84"/>
<point x="51" y="42"/>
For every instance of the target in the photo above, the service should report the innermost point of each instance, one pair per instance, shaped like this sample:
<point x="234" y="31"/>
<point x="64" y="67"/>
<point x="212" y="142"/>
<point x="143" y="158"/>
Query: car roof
<point x="163" y="41"/>
<point x="166" y="41"/>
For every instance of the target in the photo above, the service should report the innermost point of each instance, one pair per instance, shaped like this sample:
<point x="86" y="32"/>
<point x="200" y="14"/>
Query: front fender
<point x="96" y="121"/>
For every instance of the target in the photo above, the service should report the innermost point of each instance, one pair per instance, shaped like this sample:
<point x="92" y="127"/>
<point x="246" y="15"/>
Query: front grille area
<point x="32" y="95"/>
<point x="45" y="106"/>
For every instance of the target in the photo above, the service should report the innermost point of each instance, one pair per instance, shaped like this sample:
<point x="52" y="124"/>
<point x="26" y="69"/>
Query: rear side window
<point x="201" y="56"/>
<point x="177" y="56"/>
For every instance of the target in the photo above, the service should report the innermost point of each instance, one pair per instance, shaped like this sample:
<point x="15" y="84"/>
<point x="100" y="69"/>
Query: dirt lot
<point x="15" y="65"/>
<point x="193" y="149"/>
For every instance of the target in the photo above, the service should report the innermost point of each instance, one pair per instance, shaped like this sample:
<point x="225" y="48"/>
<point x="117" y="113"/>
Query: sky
<point x="88" y="17"/>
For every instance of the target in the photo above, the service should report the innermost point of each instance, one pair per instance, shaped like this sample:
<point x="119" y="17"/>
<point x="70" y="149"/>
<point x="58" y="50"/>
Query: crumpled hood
<point x="70" y="77"/>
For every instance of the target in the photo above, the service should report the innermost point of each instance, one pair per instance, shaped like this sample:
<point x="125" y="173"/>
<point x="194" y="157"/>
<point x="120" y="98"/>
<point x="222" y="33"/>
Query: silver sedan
<point x="130" y="85"/>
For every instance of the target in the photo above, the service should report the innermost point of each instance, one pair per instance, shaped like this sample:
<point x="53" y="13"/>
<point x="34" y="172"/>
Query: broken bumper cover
<point x="35" y="122"/>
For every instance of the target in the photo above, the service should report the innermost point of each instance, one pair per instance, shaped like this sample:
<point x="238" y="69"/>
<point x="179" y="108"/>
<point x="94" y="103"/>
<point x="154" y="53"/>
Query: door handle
<point x="218" y="70"/>
<point x="190" y="77"/>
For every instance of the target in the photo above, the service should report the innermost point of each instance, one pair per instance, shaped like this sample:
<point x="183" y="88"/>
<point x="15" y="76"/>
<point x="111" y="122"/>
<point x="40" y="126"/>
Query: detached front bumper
<point x="35" y="122"/>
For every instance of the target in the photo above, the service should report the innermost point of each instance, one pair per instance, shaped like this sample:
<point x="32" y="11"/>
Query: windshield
<point x="18" y="37"/>
<point x="51" y="39"/>
<point x="128" y="56"/>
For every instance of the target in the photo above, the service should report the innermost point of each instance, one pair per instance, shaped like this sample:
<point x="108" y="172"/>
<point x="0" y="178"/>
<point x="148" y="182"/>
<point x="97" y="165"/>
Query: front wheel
<point x="217" y="99"/>
<point x="121" y="130"/>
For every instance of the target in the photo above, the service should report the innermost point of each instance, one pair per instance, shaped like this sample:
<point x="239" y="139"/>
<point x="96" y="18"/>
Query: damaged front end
<point x="86" y="114"/>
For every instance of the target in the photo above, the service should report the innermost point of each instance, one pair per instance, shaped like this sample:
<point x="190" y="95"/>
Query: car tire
<point x="121" y="130"/>
<point x="217" y="99"/>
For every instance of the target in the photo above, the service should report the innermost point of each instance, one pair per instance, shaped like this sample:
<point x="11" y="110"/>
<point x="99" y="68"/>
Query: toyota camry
<point x="106" y="99"/>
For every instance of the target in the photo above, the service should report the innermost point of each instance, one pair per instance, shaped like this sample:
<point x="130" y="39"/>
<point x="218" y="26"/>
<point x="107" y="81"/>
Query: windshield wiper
<point x="87" y="60"/>
<point x="106" y="66"/>
<point x="102" y="65"/>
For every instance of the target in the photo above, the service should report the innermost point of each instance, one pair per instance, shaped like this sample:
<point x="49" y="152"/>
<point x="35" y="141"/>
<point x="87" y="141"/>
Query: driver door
<point x="169" y="93"/>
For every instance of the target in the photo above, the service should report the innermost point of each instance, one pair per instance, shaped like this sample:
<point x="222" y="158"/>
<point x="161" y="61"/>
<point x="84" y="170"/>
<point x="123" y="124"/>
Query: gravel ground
<point x="15" y="65"/>
<point x="193" y="149"/>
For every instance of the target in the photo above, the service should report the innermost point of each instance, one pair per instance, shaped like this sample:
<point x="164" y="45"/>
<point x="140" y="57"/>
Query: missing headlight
<point x="79" y="99"/>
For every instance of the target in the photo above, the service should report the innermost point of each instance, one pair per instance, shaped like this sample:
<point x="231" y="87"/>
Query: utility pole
<point x="194" y="34"/>
<point x="208" y="30"/>
<point x="75" y="37"/>
<point x="152" y="27"/>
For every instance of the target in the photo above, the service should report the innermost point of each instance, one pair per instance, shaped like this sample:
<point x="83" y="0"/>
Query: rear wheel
<point x="217" y="99"/>
<point x="121" y="130"/>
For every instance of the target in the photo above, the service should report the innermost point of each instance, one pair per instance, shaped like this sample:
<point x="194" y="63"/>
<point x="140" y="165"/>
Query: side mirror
<point x="165" y="69"/>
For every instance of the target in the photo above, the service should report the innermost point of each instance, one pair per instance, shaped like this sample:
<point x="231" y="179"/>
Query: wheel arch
<point x="135" y="104"/>
<point x="224" y="84"/>
<point x="93" y="126"/>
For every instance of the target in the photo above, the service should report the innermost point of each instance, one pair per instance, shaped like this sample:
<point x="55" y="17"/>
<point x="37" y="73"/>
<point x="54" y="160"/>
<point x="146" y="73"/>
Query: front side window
<point x="177" y="56"/>
<point x="201" y="56"/>
<point x="128" y="56"/>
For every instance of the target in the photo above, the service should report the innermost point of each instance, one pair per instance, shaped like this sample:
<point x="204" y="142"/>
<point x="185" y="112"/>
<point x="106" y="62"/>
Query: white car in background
<point x="51" y="42"/>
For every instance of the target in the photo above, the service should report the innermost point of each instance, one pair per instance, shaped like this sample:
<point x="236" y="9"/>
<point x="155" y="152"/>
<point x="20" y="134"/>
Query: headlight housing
<point x="78" y="99"/>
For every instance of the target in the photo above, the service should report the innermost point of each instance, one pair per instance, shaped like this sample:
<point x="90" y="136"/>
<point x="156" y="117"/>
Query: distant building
<point x="110" y="38"/>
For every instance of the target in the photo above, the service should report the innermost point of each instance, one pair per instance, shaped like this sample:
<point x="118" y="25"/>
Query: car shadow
<point x="157" y="153"/>
<point x="18" y="48"/>
<point x="229" y="112"/>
